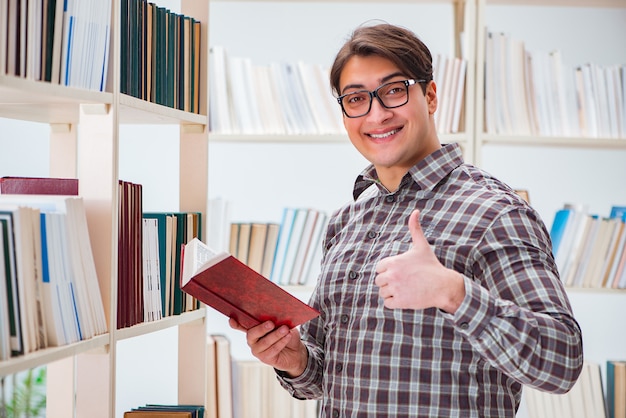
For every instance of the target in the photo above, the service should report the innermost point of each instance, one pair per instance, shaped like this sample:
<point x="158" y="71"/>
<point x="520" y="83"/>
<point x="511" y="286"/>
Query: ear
<point x="431" y="97"/>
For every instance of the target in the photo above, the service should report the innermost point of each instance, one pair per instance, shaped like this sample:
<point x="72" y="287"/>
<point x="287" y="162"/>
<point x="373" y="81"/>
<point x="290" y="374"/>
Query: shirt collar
<point x="426" y="173"/>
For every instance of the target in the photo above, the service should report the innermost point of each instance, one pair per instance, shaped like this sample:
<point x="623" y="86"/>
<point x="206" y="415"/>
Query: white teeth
<point x="385" y="135"/>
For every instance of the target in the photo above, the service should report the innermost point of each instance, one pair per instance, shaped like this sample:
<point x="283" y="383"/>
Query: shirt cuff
<point x="306" y="379"/>
<point x="475" y="312"/>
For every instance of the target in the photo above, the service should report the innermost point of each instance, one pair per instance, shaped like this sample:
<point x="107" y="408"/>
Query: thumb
<point x="419" y="240"/>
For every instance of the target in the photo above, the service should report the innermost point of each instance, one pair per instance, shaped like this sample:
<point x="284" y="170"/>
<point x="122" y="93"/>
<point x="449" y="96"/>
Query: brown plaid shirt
<point x="515" y="325"/>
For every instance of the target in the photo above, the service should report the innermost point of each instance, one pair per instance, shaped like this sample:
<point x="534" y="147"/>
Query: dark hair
<point x="397" y="44"/>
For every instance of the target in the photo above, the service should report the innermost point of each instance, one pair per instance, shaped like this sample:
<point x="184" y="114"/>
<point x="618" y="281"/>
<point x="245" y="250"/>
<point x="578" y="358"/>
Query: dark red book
<point x="39" y="185"/>
<point x="224" y="283"/>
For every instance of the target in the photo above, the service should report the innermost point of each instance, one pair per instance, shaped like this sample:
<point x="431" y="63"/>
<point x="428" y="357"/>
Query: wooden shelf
<point x="48" y="355"/>
<point x="38" y="101"/>
<point x="167" y="322"/>
<point x="549" y="141"/>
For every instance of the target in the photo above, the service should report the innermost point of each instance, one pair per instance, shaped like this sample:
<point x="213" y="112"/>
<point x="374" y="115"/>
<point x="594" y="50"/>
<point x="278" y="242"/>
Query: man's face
<point x="391" y="139"/>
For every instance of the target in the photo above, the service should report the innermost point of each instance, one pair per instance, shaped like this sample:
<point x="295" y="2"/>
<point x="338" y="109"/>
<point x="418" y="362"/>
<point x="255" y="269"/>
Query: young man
<point x="439" y="295"/>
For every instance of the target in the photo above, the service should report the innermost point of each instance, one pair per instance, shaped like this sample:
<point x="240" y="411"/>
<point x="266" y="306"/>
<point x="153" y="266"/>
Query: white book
<point x="285" y="98"/>
<point x="272" y="118"/>
<point x="591" y="115"/>
<point x="459" y="96"/>
<point x="490" y="84"/>
<point x="601" y="100"/>
<point x="445" y="95"/>
<point x="246" y="119"/>
<point x="295" y="236"/>
<point x="503" y="83"/>
<point x="314" y="254"/>
<point x="283" y="241"/>
<point x="620" y="246"/>
<point x="220" y="99"/>
<point x="317" y="91"/>
<point x="304" y="246"/>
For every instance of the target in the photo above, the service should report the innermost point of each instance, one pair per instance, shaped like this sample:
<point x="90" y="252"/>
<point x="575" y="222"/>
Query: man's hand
<point x="279" y="347"/>
<point x="416" y="279"/>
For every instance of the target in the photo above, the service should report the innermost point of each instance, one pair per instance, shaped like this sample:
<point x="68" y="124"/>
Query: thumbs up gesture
<point x="416" y="279"/>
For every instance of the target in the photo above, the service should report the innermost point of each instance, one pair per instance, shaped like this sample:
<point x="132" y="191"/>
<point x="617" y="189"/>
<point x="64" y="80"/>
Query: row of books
<point x="584" y="400"/>
<point x="287" y="253"/>
<point x="449" y="74"/>
<point x="296" y="98"/>
<point x="533" y="93"/>
<point x="160" y="55"/>
<point x="63" y="42"/>
<point x="247" y="388"/>
<point x="149" y="259"/>
<point x="590" y="250"/>
<point x="49" y="290"/>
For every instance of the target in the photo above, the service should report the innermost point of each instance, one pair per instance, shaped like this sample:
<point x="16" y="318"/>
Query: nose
<point x="378" y="112"/>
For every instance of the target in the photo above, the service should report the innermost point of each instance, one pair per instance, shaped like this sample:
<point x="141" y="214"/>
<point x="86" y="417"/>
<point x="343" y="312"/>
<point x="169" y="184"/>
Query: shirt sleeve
<point x="516" y="312"/>
<point x="309" y="384"/>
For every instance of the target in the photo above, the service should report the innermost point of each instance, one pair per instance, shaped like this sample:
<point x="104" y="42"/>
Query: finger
<point x="271" y="343"/>
<point x="236" y="325"/>
<point x="417" y="235"/>
<point x="259" y="331"/>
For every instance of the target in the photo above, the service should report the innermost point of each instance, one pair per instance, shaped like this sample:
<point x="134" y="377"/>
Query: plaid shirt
<point x="515" y="325"/>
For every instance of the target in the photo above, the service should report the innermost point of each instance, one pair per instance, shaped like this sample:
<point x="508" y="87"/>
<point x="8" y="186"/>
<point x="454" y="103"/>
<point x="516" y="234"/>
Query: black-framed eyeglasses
<point x="390" y="95"/>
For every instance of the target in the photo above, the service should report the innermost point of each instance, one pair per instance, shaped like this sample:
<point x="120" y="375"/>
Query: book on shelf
<point x="159" y="58"/>
<point x="53" y="289"/>
<point x="588" y="248"/>
<point x="258" y="394"/>
<point x="166" y="411"/>
<point x="616" y="388"/>
<point x="254" y="244"/>
<point x="173" y="229"/>
<point x="223" y="377"/>
<point x="584" y="400"/>
<point x="224" y="283"/>
<point x="38" y="185"/>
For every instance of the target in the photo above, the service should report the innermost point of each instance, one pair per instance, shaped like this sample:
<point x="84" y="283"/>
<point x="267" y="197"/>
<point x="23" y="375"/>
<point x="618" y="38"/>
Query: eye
<point x="395" y="89"/>
<point x="354" y="99"/>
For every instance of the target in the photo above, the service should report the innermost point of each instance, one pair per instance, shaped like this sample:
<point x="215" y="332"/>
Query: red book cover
<point x="39" y="185"/>
<point x="226" y="284"/>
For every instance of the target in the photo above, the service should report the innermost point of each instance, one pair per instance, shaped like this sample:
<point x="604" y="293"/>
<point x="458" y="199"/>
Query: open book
<point x="219" y="280"/>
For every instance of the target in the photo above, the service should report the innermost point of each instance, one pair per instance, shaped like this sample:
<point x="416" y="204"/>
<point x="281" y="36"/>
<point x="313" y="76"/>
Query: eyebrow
<point x="382" y="81"/>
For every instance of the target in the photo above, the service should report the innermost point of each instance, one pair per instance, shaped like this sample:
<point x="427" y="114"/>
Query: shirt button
<point x="335" y="413"/>
<point x="353" y="274"/>
<point x="345" y="319"/>
<point x="390" y="198"/>
<point x="372" y="234"/>
<point x="464" y="325"/>
<point x="339" y="368"/>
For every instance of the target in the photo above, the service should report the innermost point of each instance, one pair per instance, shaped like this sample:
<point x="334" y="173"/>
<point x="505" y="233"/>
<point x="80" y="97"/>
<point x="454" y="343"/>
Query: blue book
<point x="618" y="212"/>
<point x="559" y="224"/>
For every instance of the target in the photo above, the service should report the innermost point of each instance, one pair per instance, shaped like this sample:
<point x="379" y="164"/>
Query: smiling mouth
<point x="385" y="135"/>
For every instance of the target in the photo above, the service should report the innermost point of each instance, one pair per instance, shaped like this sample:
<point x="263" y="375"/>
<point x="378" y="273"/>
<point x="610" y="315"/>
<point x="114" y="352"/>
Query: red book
<point x="39" y="185"/>
<point x="226" y="284"/>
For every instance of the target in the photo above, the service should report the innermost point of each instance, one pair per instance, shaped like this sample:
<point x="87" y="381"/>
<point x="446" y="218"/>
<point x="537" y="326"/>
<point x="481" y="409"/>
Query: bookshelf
<point x="84" y="143"/>
<point x="562" y="169"/>
<point x="554" y="169"/>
